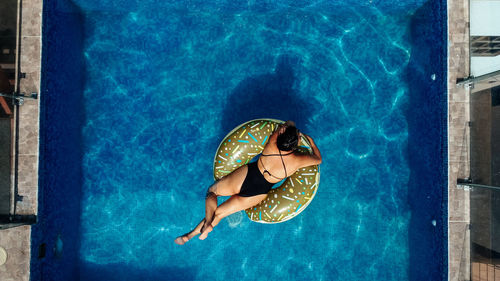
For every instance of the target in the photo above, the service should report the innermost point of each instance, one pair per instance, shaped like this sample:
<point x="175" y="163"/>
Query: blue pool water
<point x="137" y="95"/>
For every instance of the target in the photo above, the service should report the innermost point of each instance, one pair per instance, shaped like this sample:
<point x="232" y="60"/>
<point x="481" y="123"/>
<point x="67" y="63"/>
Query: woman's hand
<point x="282" y="127"/>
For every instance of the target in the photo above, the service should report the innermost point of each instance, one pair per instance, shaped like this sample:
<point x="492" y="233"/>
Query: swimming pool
<point x="138" y="94"/>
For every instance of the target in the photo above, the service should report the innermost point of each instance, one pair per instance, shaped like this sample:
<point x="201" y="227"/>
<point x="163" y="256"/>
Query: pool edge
<point x="458" y="139"/>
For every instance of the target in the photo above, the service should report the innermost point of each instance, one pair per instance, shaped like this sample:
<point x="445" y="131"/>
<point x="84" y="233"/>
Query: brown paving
<point x="484" y="271"/>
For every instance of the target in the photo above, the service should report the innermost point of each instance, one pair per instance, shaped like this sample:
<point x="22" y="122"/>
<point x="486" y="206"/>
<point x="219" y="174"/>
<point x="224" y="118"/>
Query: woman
<point x="249" y="184"/>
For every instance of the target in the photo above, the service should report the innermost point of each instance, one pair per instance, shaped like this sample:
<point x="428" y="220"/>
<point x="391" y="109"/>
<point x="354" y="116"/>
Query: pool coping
<point x="458" y="140"/>
<point x="17" y="240"/>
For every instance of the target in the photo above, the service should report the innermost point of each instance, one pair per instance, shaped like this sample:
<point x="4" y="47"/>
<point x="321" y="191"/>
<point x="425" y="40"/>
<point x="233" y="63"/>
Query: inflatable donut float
<point x="282" y="203"/>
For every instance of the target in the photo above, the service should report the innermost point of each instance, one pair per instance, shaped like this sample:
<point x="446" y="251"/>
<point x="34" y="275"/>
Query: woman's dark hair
<point x="289" y="139"/>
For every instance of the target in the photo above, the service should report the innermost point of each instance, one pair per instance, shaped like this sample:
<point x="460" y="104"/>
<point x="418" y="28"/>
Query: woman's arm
<point x="315" y="158"/>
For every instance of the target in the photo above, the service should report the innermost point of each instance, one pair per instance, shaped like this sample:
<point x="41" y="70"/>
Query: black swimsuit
<point x="255" y="183"/>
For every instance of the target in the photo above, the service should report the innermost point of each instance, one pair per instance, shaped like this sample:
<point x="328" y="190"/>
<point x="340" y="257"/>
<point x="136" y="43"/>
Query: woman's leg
<point x="227" y="186"/>
<point x="232" y="205"/>
<point x="188" y="236"/>
<point x="210" y="203"/>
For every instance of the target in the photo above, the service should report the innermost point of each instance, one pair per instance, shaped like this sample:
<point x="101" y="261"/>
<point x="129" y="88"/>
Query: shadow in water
<point x="426" y="115"/>
<point x="269" y="95"/>
<point x="55" y="239"/>
<point x="125" y="272"/>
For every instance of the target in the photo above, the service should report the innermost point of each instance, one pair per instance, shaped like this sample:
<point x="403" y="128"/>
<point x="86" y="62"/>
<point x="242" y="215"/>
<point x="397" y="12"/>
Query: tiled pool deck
<point x="17" y="240"/>
<point x="458" y="140"/>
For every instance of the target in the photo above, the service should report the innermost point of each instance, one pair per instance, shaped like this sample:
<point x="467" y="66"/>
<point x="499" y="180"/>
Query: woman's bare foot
<point x="205" y="232"/>
<point x="181" y="240"/>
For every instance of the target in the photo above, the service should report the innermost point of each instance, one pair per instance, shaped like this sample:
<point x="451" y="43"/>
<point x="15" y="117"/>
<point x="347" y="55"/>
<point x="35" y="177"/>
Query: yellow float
<point x="282" y="203"/>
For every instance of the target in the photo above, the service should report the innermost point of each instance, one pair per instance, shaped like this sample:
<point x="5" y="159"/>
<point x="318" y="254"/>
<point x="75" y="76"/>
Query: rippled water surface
<point x="166" y="82"/>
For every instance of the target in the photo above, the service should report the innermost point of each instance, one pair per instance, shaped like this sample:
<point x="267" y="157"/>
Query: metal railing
<point x="483" y="185"/>
<point x="18" y="98"/>
<point x="484" y="228"/>
<point x="10" y="100"/>
<point x="471" y="80"/>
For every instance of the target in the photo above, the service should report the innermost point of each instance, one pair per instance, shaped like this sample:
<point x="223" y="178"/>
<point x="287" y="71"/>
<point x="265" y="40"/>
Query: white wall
<point x="485" y="18"/>
<point x="484" y="21"/>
